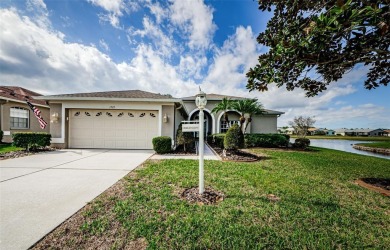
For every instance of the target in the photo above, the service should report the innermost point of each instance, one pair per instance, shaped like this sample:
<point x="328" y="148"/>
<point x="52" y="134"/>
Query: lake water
<point x="343" y="145"/>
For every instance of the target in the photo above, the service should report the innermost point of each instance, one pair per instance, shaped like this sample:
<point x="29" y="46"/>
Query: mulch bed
<point x="378" y="182"/>
<point x="237" y="155"/>
<point x="380" y="185"/>
<point x="190" y="150"/>
<point x="22" y="153"/>
<point x="209" y="196"/>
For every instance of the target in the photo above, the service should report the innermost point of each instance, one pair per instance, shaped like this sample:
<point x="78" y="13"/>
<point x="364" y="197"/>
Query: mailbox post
<point x="201" y="102"/>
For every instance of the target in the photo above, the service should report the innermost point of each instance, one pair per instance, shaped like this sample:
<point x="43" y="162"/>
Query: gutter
<point x="19" y="101"/>
<point x="58" y="98"/>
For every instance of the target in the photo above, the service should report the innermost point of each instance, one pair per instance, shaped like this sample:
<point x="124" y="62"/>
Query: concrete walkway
<point x="39" y="192"/>
<point x="208" y="155"/>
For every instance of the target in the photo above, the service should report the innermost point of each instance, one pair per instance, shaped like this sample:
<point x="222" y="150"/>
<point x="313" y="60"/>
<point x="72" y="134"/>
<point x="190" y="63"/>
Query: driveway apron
<point x="39" y="192"/>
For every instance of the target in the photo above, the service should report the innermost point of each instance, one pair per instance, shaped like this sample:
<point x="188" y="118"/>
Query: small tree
<point x="234" y="138"/>
<point x="183" y="138"/>
<point x="301" y="125"/>
<point x="247" y="106"/>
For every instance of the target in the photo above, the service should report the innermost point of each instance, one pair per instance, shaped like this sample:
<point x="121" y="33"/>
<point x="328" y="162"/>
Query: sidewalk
<point x="208" y="155"/>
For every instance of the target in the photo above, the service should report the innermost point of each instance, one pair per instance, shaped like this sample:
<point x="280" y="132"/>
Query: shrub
<point x="301" y="143"/>
<point x="162" y="144"/>
<point x="31" y="140"/>
<point x="266" y="140"/>
<point x="184" y="138"/>
<point x="216" y="139"/>
<point x="234" y="138"/>
<point x="1" y="135"/>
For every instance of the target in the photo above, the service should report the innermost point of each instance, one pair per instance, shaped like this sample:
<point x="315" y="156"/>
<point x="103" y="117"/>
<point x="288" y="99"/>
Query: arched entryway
<point x="208" y="118"/>
<point x="234" y="118"/>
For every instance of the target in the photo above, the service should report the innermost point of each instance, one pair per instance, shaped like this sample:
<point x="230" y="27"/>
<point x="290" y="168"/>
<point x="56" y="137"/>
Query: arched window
<point x="19" y="118"/>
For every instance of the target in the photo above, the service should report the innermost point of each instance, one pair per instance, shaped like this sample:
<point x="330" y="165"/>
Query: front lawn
<point x="5" y="148"/>
<point x="376" y="144"/>
<point x="320" y="207"/>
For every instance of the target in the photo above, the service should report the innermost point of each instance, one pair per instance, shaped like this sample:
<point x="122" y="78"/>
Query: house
<point x="16" y="115"/>
<point x="360" y="132"/>
<point x="131" y="119"/>
<point x="330" y="132"/>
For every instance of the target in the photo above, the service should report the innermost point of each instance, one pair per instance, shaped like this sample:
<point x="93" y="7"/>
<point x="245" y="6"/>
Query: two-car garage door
<point x="121" y="129"/>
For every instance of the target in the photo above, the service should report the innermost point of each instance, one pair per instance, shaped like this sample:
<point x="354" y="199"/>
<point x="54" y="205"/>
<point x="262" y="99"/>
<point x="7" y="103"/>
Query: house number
<point x="112" y="107"/>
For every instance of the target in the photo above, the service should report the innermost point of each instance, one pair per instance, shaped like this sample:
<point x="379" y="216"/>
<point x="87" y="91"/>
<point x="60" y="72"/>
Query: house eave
<point x="19" y="101"/>
<point x="65" y="98"/>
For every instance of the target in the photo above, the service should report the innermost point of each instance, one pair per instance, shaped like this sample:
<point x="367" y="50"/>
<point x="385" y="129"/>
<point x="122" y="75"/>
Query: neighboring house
<point x="290" y="131"/>
<point x="312" y="131"/>
<point x="131" y="119"/>
<point x="16" y="115"/>
<point x="386" y="132"/>
<point x="360" y="132"/>
<point x="330" y="132"/>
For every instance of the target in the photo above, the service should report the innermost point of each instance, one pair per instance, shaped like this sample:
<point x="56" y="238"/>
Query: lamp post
<point x="201" y="102"/>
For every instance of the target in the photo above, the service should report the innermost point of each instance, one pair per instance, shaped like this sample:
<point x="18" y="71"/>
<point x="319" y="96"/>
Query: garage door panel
<point x="126" y="129"/>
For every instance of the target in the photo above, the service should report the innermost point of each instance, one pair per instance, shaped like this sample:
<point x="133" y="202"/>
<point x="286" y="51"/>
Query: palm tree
<point x="224" y="106"/>
<point x="247" y="106"/>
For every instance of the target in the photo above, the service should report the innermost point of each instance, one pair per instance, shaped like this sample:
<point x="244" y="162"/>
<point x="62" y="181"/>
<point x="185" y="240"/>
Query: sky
<point x="168" y="47"/>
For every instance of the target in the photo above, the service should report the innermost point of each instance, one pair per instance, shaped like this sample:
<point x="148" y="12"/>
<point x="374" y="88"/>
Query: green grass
<point x="353" y="138"/>
<point x="376" y="144"/>
<point x="320" y="206"/>
<point x="4" y="148"/>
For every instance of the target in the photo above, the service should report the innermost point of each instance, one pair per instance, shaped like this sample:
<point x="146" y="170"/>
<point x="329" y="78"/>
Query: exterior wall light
<point x="54" y="117"/>
<point x="165" y="118"/>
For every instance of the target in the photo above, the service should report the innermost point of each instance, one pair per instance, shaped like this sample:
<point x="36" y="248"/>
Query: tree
<point x="224" y="105"/>
<point x="247" y="106"/>
<point x="301" y="125"/>
<point x="313" y="43"/>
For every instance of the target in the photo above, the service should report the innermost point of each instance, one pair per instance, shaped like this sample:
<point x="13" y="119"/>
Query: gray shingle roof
<point x="113" y="94"/>
<point x="213" y="97"/>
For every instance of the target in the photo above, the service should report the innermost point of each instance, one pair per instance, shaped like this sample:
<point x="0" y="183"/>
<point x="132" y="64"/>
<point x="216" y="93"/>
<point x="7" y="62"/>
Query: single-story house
<point x="16" y="115"/>
<point x="131" y="119"/>
<point x="360" y="132"/>
<point x="386" y="132"/>
<point x="330" y="132"/>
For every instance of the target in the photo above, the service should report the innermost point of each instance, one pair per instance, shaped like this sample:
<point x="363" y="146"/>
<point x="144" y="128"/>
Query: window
<point x="225" y="126"/>
<point x="19" y="118"/>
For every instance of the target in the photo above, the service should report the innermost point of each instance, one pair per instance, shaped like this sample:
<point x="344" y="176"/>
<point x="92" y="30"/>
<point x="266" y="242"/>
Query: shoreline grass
<point x="375" y="144"/>
<point x="352" y="138"/>
<point x="320" y="206"/>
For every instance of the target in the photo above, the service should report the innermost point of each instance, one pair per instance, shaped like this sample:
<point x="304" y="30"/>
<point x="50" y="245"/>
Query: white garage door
<point x="122" y="129"/>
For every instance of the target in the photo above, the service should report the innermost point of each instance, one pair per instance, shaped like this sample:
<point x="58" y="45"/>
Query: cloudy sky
<point x="168" y="47"/>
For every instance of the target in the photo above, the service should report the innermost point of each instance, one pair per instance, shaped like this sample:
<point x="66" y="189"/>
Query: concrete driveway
<point x="39" y="192"/>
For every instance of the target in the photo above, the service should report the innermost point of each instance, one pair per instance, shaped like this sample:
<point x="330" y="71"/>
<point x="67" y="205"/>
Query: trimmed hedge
<point x="216" y="139"/>
<point x="266" y="140"/>
<point x="162" y="144"/>
<point x="31" y="140"/>
<point x="301" y="143"/>
<point x="234" y="138"/>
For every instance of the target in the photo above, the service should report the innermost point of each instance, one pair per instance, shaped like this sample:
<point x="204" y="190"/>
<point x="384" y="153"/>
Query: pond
<point x="343" y="145"/>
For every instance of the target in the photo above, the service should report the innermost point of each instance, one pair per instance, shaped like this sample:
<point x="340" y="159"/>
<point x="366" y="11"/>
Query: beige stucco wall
<point x="34" y="124"/>
<point x="55" y="127"/>
<point x="168" y="127"/>
<point x="264" y="124"/>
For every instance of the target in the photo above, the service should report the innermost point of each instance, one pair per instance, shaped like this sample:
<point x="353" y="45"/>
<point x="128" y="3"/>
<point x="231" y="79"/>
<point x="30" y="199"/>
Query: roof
<point x="136" y="94"/>
<point x="213" y="97"/>
<point x="367" y="130"/>
<point x="19" y="94"/>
